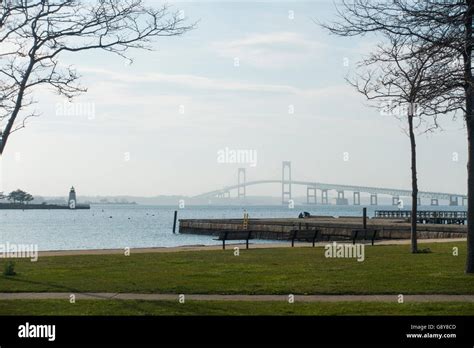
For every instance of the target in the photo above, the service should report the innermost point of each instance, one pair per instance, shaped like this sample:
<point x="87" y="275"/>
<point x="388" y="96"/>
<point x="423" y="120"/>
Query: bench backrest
<point x="364" y="234"/>
<point x="237" y="235"/>
<point x="303" y="234"/>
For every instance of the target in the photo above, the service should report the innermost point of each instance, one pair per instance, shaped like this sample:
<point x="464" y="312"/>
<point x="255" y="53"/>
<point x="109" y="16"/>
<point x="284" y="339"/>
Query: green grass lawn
<point x="386" y="270"/>
<point x="126" y="307"/>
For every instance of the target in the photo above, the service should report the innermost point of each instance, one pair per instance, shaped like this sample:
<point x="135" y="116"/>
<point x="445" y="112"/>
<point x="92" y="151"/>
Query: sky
<point x="257" y="79"/>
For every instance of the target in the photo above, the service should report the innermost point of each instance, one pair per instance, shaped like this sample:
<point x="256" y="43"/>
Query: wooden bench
<point x="303" y="235"/>
<point x="235" y="235"/>
<point x="364" y="234"/>
<point x="335" y="235"/>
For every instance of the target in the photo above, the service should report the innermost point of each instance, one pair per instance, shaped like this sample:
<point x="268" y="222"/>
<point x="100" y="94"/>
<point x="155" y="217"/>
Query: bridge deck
<point x="336" y="187"/>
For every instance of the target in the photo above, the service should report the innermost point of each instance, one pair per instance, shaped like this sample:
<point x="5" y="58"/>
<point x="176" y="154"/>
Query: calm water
<point x="106" y="226"/>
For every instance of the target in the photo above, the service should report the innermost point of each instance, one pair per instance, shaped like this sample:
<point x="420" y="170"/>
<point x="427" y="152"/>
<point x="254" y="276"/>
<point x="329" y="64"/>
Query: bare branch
<point x="35" y="33"/>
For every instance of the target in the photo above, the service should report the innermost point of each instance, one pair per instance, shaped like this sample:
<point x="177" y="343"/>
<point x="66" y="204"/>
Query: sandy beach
<point x="229" y="246"/>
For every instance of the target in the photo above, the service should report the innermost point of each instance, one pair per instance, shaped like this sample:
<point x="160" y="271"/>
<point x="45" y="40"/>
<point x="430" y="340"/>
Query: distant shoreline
<point x="18" y="206"/>
<point x="113" y="203"/>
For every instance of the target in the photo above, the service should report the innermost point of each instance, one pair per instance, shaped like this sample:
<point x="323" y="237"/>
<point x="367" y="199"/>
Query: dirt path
<point x="256" y="298"/>
<point x="219" y="247"/>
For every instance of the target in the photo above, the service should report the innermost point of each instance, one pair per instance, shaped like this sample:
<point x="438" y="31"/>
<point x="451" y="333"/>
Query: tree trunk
<point x="18" y="104"/>
<point x="470" y="186"/>
<point x="470" y="138"/>
<point x="414" y="183"/>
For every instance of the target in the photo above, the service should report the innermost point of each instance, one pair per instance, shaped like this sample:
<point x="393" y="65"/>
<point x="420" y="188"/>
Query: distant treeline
<point x="17" y="197"/>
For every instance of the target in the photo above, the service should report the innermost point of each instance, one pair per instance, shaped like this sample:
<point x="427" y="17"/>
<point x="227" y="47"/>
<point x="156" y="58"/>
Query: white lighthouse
<point x="72" y="198"/>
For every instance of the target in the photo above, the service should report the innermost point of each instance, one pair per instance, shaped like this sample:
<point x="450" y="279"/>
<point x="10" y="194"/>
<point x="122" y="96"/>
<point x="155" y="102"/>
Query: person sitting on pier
<point x="304" y="214"/>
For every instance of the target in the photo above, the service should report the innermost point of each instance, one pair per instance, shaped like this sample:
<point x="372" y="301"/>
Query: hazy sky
<point x="261" y="77"/>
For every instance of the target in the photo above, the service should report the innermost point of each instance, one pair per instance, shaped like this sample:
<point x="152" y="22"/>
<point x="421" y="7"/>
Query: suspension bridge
<point x="313" y="188"/>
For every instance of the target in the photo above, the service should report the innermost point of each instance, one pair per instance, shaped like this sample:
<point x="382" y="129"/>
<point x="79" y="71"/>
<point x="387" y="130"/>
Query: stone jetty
<point x="279" y="228"/>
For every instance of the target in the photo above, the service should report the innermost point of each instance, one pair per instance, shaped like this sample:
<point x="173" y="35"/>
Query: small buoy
<point x="110" y="217"/>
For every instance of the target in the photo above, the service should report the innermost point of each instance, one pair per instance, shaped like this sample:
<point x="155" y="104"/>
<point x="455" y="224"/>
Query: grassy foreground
<point x="126" y="307"/>
<point x="386" y="270"/>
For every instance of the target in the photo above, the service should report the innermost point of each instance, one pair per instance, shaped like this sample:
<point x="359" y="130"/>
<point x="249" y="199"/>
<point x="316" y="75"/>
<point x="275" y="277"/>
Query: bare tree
<point x="406" y="81"/>
<point x="35" y="33"/>
<point x="446" y="24"/>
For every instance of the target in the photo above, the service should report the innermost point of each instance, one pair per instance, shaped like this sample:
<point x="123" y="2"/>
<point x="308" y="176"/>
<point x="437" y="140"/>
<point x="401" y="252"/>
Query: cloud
<point x="271" y="50"/>
<point x="196" y="83"/>
<point x="162" y="95"/>
<point x="192" y="81"/>
<point x="122" y="97"/>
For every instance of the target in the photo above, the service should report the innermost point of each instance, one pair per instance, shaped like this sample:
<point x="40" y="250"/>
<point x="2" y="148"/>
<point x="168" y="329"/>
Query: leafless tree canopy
<point x="431" y="29"/>
<point x="400" y="74"/>
<point x="442" y="29"/>
<point x="435" y="21"/>
<point x="35" y="33"/>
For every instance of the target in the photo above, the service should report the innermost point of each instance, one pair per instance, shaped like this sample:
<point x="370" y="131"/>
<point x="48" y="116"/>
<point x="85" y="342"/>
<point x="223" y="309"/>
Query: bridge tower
<point x="395" y="200"/>
<point x="453" y="201"/>
<point x="286" y="182"/>
<point x="242" y="181"/>
<point x="324" y="197"/>
<point x="224" y="194"/>
<point x="356" y="198"/>
<point x="311" y="195"/>
<point x="373" y="199"/>
<point x="341" y="200"/>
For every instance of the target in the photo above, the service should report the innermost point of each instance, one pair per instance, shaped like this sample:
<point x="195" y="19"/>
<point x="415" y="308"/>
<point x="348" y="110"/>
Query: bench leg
<point x="314" y="239"/>
<point x="292" y="242"/>
<point x="355" y="237"/>
<point x="247" y="243"/>
<point x="223" y="244"/>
